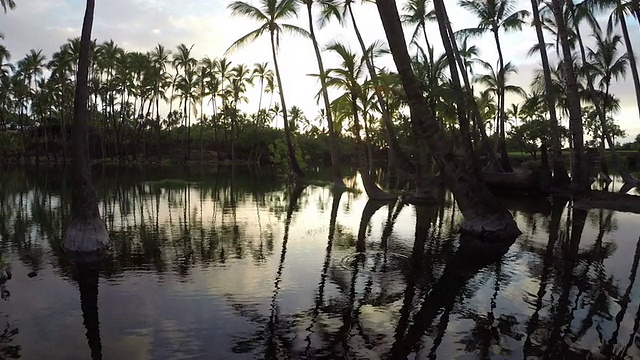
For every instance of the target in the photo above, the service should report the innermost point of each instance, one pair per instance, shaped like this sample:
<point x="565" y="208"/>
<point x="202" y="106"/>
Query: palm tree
<point x="418" y="14"/>
<point x="496" y="83"/>
<point x="212" y="84"/>
<point x="620" y="10"/>
<point x="608" y="65"/>
<point x="606" y="62"/>
<point x="87" y="231"/>
<point x="395" y="152"/>
<point x="186" y="83"/>
<point x="161" y="81"/>
<point x="483" y="214"/>
<point x="6" y="68"/>
<point x="241" y="76"/>
<point x="560" y="175"/>
<point x="328" y="8"/>
<point x="60" y="66"/>
<point x="580" y="180"/>
<point x="187" y="88"/>
<point x="494" y="16"/>
<point x="269" y="14"/>
<point x="346" y="77"/>
<point x="30" y="68"/>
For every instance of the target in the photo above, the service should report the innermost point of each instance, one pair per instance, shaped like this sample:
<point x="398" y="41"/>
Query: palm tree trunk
<point x="484" y="215"/>
<point x="293" y="161"/>
<point x="560" y="175"/>
<point x="333" y="136"/>
<point x="580" y="177"/>
<point x="632" y="59"/>
<point x="86" y="231"/>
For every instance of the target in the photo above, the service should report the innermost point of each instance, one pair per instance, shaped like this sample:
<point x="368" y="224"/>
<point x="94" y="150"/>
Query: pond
<point x="221" y="264"/>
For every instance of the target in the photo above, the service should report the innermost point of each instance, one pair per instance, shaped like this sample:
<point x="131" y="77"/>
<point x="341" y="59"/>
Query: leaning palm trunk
<point x="484" y="215"/>
<point x="86" y="231"/>
<point x="333" y="138"/>
<point x="580" y="177"/>
<point x="560" y="175"/>
<point x="293" y="161"/>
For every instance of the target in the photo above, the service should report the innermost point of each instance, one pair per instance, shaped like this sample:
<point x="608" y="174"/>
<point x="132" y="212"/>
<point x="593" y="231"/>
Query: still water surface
<point x="221" y="265"/>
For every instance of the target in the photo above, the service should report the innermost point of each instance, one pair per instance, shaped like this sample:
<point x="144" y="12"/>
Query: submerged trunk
<point x="580" y="177"/>
<point x="560" y="175"/>
<point x="333" y="137"/>
<point x="484" y="215"/>
<point x="293" y="161"/>
<point x="86" y="232"/>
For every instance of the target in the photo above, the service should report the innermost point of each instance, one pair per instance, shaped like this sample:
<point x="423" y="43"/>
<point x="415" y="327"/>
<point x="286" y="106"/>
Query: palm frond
<point x="244" y="40"/>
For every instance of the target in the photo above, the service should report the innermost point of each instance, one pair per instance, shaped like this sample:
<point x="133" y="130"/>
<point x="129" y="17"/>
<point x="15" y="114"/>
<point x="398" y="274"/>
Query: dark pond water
<point x="213" y="265"/>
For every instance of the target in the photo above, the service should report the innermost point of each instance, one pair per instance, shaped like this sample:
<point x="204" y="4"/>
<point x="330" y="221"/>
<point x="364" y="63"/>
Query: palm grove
<point x="435" y="112"/>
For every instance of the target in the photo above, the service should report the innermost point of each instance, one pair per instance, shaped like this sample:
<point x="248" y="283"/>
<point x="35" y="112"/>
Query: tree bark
<point x="86" y="232"/>
<point x="580" y="177"/>
<point x="484" y="216"/>
<point x="560" y="175"/>
<point x="333" y="137"/>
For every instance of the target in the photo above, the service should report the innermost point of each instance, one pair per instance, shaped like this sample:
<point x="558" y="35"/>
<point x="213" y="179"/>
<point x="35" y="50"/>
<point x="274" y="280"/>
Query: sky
<point x="138" y="25"/>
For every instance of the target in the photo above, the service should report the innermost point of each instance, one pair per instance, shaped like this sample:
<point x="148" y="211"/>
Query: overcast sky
<point x="138" y="25"/>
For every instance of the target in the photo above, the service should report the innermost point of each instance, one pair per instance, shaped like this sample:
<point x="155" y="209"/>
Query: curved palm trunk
<point x="560" y="175"/>
<point x="390" y="133"/>
<point x="632" y="59"/>
<point x="333" y="136"/>
<point x="484" y="215"/>
<point x="295" y="167"/>
<point x="580" y="177"/>
<point x="86" y="231"/>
